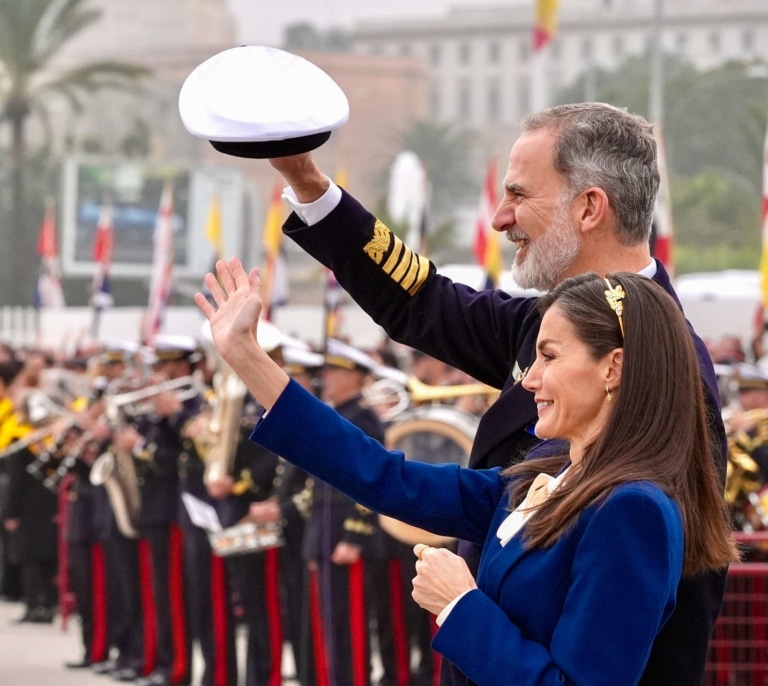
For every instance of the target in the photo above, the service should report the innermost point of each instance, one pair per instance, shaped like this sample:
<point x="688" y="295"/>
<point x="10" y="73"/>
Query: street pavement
<point x="34" y="654"/>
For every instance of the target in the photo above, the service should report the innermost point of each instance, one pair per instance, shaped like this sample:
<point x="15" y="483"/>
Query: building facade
<point x="480" y="59"/>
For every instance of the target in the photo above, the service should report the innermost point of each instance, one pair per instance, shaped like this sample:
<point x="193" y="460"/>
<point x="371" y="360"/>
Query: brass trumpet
<point x="139" y="402"/>
<point x="404" y="392"/>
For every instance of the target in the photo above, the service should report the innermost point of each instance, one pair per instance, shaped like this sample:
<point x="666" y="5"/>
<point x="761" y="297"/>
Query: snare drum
<point x="246" y="537"/>
<point x="435" y="434"/>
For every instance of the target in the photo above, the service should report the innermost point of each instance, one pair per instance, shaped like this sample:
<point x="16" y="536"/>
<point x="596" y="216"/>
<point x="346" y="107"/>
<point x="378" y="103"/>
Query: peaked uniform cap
<point x="260" y="102"/>
<point x="268" y="335"/>
<point x="340" y="354"/>
<point x="117" y="351"/>
<point x="298" y="360"/>
<point x="169" y="347"/>
<point x="750" y="376"/>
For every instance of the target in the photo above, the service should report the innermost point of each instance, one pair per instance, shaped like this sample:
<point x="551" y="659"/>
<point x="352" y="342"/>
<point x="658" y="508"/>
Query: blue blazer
<point x="583" y="611"/>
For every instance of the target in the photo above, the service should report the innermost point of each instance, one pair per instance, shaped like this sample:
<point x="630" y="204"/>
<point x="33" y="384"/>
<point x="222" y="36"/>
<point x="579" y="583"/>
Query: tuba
<point x="745" y="491"/>
<point x="217" y="442"/>
<point x="116" y="471"/>
<point x="424" y="426"/>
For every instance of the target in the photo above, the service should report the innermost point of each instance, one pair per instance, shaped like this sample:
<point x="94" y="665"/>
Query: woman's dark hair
<point x="657" y="429"/>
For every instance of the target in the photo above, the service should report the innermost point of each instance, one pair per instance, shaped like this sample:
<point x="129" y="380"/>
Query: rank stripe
<point x="408" y="269"/>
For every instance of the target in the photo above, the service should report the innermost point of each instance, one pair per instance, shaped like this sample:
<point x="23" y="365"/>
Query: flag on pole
<point x="486" y="247"/>
<point x="103" y="247"/>
<point x="544" y="30"/>
<point x="332" y="302"/>
<point x="274" y="275"/>
<point x="162" y="268"/>
<point x="48" y="292"/>
<point x="213" y="227"/>
<point x="334" y="295"/>
<point x="764" y="225"/>
<point x="545" y="26"/>
<point x="663" y="232"/>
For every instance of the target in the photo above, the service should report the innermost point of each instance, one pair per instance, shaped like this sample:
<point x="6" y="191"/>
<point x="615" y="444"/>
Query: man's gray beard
<point x="550" y="256"/>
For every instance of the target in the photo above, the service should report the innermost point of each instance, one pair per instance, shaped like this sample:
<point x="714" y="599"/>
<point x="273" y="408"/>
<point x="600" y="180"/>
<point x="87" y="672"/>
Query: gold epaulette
<point x="396" y="259"/>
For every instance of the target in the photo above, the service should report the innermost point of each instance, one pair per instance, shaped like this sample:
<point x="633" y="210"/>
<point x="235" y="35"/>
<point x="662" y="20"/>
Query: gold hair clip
<point x="614" y="296"/>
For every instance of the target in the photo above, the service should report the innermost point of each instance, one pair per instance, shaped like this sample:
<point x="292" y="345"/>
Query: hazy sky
<point x="262" y="21"/>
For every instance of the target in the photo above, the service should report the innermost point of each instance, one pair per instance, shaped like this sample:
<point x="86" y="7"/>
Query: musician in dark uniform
<point x="157" y="440"/>
<point x="579" y="196"/>
<point x="208" y="587"/>
<point x="114" y="373"/>
<point x="270" y="583"/>
<point x="86" y="558"/>
<point x="339" y="536"/>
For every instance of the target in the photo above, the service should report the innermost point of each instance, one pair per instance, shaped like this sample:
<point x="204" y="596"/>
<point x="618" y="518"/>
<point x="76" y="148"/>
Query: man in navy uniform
<point x="579" y="196"/>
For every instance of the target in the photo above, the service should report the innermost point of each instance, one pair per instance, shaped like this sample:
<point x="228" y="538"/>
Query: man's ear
<point x="592" y="208"/>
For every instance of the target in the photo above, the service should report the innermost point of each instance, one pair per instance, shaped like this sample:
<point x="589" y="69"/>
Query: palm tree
<point x="32" y="34"/>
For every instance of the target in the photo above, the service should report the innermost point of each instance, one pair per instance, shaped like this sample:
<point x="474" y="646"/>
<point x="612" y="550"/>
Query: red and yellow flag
<point x="545" y="27"/>
<point x="487" y="248"/>
<point x="273" y="275"/>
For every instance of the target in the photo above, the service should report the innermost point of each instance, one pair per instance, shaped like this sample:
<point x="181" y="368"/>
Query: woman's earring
<point x="608" y="394"/>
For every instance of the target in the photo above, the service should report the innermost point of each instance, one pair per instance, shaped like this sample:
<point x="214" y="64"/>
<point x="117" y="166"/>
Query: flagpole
<point x="103" y="247"/>
<point x="656" y="102"/>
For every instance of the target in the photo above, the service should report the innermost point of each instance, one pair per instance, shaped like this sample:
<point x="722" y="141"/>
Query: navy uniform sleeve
<point x="479" y="332"/>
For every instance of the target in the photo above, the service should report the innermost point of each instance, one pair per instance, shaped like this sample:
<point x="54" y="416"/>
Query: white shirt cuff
<point x="447" y="609"/>
<point x="312" y="213"/>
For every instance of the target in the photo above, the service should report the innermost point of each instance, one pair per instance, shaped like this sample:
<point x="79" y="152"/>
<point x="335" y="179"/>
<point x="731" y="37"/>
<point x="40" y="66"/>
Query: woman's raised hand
<point x="238" y="304"/>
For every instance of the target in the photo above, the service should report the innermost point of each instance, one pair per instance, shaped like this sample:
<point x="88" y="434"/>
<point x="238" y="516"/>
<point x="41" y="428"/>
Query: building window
<point x="714" y="41"/>
<point x="465" y="100"/>
<point x="435" y="54"/>
<point x="681" y="42"/>
<point x="494" y="52"/>
<point x="494" y="101"/>
<point x="465" y="53"/>
<point x="618" y="46"/>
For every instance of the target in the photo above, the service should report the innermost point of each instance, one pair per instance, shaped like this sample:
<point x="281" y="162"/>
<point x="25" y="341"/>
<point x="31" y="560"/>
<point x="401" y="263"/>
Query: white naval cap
<point x="168" y="347"/>
<point x="260" y="102"/>
<point x="340" y="354"/>
<point x="268" y="336"/>
<point x="749" y="377"/>
<point x="301" y="360"/>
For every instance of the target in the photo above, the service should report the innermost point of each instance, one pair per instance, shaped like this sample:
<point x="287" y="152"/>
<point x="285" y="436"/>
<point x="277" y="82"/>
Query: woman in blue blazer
<point x="582" y="553"/>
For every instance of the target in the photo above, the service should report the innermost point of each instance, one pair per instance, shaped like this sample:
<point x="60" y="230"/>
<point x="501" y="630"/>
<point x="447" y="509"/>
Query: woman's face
<point x="569" y="386"/>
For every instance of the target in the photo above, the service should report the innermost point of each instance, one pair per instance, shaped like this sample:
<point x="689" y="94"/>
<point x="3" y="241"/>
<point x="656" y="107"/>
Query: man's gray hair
<point x="606" y="147"/>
